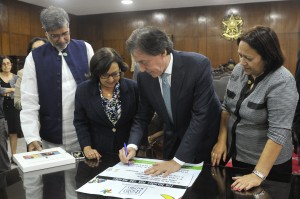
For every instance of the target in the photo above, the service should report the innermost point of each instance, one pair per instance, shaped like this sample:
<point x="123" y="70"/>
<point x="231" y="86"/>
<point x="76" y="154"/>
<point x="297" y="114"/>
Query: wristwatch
<point x="259" y="174"/>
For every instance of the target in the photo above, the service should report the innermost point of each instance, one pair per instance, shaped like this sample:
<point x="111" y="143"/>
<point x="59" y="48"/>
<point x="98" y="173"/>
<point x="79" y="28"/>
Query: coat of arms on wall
<point x="232" y="27"/>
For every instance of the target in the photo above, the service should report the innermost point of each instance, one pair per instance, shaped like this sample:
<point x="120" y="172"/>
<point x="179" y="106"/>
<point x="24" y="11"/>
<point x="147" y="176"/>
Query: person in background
<point x="50" y="77"/>
<point x="258" y="110"/>
<point x="190" y="112"/>
<point x="105" y="105"/>
<point x="34" y="43"/>
<point x="7" y="83"/>
<point x="296" y="122"/>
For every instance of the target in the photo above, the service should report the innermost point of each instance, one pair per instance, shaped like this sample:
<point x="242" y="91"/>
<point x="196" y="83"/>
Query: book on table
<point x="47" y="158"/>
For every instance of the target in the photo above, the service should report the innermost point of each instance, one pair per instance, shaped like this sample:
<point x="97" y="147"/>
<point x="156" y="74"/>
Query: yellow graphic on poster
<point x="165" y="196"/>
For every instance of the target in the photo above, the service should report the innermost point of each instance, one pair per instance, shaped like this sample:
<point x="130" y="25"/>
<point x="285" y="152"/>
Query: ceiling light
<point x="127" y="1"/>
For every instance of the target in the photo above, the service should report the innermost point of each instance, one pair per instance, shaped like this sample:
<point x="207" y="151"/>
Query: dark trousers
<point x="4" y="159"/>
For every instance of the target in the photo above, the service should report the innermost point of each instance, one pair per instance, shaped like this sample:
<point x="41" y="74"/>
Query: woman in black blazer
<point x="105" y="105"/>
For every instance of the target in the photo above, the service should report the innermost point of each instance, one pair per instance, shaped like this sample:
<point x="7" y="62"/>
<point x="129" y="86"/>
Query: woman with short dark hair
<point x="105" y="105"/>
<point x="258" y="111"/>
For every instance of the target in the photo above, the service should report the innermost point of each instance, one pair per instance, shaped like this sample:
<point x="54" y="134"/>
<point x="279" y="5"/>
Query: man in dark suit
<point x="191" y="111"/>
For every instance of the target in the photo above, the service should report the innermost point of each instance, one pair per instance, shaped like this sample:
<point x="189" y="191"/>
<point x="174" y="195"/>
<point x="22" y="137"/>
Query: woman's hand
<point x="245" y="182"/>
<point x="91" y="153"/>
<point x="219" y="152"/>
<point x="9" y="90"/>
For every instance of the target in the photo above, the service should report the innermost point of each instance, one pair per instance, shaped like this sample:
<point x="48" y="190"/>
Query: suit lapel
<point x="125" y="98"/>
<point x="176" y="82"/>
<point x="96" y="98"/>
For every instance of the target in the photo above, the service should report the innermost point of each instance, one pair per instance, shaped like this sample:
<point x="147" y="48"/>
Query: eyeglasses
<point x="6" y="64"/>
<point x="57" y="36"/>
<point x="114" y="75"/>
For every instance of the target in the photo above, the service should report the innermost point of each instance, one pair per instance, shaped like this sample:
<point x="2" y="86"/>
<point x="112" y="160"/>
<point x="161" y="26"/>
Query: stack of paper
<point x="37" y="160"/>
<point x="130" y="181"/>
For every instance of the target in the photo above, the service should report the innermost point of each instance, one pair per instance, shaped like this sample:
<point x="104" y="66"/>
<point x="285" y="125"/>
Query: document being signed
<point x="125" y="181"/>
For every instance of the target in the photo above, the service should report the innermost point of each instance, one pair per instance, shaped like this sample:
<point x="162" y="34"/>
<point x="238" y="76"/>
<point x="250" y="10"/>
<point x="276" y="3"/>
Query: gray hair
<point x="53" y="18"/>
<point x="149" y="40"/>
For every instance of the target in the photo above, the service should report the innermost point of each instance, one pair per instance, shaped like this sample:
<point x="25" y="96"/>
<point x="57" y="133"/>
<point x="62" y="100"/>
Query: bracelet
<point x="259" y="174"/>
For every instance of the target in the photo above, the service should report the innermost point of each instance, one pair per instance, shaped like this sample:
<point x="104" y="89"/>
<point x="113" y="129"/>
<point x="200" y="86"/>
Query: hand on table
<point x="164" y="168"/>
<point x="219" y="152"/>
<point x="245" y="182"/>
<point x="91" y="153"/>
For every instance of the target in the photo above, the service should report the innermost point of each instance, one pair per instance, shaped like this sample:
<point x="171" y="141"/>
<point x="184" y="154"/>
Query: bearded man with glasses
<point x="51" y="75"/>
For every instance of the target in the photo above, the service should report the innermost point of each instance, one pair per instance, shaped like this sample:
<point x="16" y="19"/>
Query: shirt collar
<point x="170" y="66"/>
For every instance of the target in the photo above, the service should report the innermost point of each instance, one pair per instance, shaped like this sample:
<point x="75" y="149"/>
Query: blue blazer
<point x="195" y="108"/>
<point x="92" y="125"/>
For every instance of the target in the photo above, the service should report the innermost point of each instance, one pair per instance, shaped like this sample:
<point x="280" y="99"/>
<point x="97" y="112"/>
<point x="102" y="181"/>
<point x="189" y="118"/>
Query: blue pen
<point x="126" y="151"/>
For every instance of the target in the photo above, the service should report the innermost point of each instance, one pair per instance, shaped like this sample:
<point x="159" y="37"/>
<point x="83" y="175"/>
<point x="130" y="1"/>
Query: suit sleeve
<point x="81" y="120"/>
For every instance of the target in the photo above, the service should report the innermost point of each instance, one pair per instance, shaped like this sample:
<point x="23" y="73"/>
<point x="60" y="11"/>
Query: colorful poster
<point x="125" y="181"/>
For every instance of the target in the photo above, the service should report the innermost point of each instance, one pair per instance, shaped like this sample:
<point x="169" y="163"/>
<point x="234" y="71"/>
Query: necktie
<point x="166" y="93"/>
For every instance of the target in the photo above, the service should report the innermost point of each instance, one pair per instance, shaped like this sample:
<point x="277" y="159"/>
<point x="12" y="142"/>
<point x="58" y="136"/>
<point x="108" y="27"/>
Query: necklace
<point x="106" y="94"/>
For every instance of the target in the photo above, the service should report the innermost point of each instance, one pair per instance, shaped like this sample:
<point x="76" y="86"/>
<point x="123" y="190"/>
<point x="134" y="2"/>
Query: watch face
<point x="78" y="155"/>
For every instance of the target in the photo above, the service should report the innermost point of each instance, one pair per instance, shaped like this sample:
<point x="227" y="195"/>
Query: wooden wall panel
<point x="186" y="22"/>
<point x="5" y="44"/>
<point x="90" y="29"/>
<point x="202" y="43"/>
<point x="19" y="18"/>
<point x="285" y="18"/>
<point x="74" y="26"/>
<point x="218" y="49"/>
<point x="134" y="20"/>
<point x="3" y="16"/>
<point x="112" y="26"/>
<point x="36" y="29"/>
<point x="18" y="44"/>
<point x="290" y="50"/>
<point x="253" y="14"/>
<point x="186" y="43"/>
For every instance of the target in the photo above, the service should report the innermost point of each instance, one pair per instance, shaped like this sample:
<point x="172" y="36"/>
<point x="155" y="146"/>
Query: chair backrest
<point x="220" y="85"/>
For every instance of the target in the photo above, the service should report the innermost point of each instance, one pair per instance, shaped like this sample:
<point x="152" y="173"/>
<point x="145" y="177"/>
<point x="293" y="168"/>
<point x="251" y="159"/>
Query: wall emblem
<point x="232" y="27"/>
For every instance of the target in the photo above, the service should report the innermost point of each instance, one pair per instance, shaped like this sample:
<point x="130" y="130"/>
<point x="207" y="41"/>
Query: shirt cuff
<point x="178" y="161"/>
<point x="132" y="146"/>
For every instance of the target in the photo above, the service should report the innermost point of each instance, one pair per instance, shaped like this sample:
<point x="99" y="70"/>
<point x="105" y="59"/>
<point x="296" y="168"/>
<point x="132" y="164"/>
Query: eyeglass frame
<point x="6" y="64"/>
<point x="56" y="37"/>
<point x="114" y="75"/>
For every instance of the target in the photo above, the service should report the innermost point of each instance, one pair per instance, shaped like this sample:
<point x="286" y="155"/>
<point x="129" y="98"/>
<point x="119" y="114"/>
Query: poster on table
<point x="125" y="181"/>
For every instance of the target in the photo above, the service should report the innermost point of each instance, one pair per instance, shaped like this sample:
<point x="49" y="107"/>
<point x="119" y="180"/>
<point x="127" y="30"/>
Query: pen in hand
<point x="126" y="151"/>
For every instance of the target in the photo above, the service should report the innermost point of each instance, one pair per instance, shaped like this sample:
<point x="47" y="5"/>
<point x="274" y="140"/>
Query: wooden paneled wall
<point x="198" y="29"/>
<point x="195" y="29"/>
<point x="19" y="23"/>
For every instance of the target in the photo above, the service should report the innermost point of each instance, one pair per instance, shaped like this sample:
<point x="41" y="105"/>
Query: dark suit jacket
<point x="195" y="109"/>
<point x="92" y="125"/>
